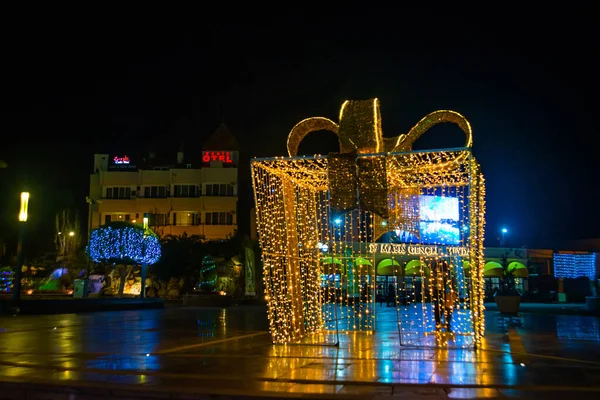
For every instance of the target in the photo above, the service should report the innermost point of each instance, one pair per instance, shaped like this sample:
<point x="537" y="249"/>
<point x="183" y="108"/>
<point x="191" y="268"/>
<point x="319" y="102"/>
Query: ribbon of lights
<point x="321" y="219"/>
<point x="120" y="243"/>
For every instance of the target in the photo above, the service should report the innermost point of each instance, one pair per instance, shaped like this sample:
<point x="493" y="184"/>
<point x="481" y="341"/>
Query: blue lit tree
<point x="124" y="244"/>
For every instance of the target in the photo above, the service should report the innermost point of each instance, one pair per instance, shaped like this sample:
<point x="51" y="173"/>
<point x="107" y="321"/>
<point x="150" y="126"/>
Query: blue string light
<point x="574" y="265"/>
<point x="6" y="280"/>
<point x="208" y="282"/>
<point x="124" y="244"/>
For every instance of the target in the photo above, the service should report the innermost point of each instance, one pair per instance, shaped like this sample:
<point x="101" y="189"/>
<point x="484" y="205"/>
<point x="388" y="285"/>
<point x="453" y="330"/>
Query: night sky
<point x="527" y="81"/>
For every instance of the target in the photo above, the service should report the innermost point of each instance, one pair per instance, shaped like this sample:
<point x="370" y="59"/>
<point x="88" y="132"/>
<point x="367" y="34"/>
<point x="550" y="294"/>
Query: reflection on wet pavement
<point x="221" y="349"/>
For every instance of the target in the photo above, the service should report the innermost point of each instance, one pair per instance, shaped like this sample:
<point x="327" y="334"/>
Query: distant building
<point x="193" y="192"/>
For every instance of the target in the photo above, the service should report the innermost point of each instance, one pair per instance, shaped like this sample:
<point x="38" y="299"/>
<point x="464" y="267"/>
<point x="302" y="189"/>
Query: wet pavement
<point x="227" y="352"/>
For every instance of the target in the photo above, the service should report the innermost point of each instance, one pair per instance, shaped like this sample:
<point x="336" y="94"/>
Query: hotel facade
<point x="192" y="192"/>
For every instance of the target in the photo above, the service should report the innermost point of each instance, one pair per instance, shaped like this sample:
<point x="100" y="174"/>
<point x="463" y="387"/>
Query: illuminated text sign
<point x="121" y="160"/>
<point x="405" y="249"/>
<point x="223" y="156"/>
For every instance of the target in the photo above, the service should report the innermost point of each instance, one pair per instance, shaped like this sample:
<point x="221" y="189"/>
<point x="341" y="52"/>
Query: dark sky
<point x="527" y="80"/>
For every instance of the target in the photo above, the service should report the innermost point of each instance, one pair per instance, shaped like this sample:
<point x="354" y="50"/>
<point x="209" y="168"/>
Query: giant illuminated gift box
<point x="328" y="225"/>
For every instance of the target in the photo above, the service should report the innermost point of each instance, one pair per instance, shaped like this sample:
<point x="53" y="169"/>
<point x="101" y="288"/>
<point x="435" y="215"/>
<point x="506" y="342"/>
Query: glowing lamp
<point x="71" y="233"/>
<point x="504" y="230"/>
<point x="24" y="206"/>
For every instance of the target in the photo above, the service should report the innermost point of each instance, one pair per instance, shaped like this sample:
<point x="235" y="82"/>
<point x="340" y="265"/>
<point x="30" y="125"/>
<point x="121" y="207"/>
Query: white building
<point x="194" y="192"/>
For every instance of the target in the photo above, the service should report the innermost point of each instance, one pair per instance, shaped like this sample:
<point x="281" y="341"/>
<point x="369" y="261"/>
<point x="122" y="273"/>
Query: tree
<point x="68" y="238"/>
<point x="124" y="245"/>
<point x="258" y="265"/>
<point x="182" y="257"/>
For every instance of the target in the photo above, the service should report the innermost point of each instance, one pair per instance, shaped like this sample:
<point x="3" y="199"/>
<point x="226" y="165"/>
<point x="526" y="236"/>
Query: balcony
<point x="210" y="232"/>
<point x="220" y="203"/>
<point x="117" y="205"/>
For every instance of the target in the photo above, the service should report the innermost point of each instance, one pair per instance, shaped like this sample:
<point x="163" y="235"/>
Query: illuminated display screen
<point x="439" y="220"/>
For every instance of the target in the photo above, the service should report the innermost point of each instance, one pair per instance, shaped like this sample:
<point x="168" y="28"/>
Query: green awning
<point x="515" y="265"/>
<point x="416" y="267"/>
<point x="386" y="267"/>
<point x="492" y="268"/>
<point x="521" y="273"/>
<point x="331" y="260"/>
<point x="362" y="261"/>
<point x="519" y="270"/>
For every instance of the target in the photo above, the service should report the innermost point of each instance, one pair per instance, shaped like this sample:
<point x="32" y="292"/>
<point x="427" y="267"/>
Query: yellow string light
<point x="318" y="219"/>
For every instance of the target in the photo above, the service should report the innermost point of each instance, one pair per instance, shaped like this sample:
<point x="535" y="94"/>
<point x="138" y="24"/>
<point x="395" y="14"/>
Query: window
<point x="219" y="218"/>
<point x="157" y="220"/>
<point x="118" y="193"/>
<point x="155" y="191"/>
<point x="186" y="218"/>
<point x="186" y="191"/>
<point x="219" y="189"/>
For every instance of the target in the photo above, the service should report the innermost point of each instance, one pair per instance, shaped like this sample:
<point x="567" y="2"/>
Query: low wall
<point x="32" y="305"/>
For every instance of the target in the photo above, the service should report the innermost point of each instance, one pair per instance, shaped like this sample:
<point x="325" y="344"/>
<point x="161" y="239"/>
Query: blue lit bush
<point x="124" y="243"/>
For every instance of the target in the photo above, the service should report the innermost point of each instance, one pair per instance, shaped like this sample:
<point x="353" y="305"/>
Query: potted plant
<point x="507" y="298"/>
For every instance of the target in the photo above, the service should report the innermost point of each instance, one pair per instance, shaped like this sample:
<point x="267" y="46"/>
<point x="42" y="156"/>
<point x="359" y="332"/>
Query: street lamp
<point x="504" y="231"/>
<point x="24" y="207"/>
<point x="22" y="222"/>
<point x="144" y="266"/>
<point x="91" y="203"/>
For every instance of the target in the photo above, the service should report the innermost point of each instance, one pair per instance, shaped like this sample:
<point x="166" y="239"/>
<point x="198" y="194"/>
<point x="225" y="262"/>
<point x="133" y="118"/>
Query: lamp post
<point x="504" y="231"/>
<point x="22" y="225"/>
<point x="144" y="266"/>
<point x="91" y="203"/>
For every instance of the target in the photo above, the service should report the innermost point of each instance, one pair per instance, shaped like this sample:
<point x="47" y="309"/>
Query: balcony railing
<point x="166" y="197"/>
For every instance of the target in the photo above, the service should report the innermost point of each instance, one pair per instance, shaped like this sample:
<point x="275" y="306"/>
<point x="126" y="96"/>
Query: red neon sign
<point x="224" y="156"/>
<point x="121" y="160"/>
